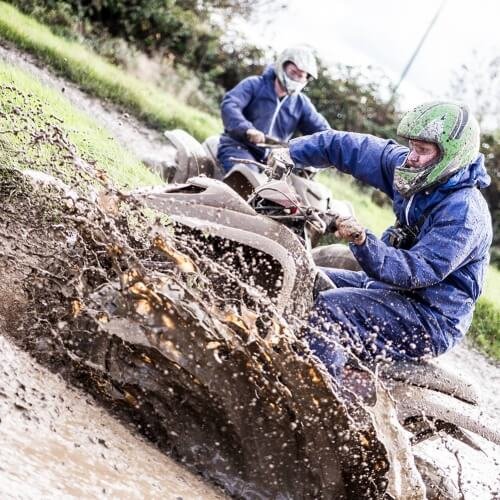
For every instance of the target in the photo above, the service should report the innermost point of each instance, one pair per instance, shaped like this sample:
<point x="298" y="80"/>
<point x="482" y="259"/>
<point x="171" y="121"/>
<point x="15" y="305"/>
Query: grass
<point x="484" y="332"/>
<point x="102" y="79"/>
<point x="376" y="218"/>
<point x="29" y="109"/>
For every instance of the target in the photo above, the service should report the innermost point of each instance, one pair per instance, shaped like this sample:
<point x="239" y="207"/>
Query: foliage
<point x="101" y="78"/>
<point x="352" y="101"/>
<point x="193" y="33"/>
<point x="491" y="149"/>
<point x="484" y="331"/>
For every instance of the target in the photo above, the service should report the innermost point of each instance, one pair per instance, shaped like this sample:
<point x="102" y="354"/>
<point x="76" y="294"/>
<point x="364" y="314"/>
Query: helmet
<point x="452" y="128"/>
<point x="304" y="59"/>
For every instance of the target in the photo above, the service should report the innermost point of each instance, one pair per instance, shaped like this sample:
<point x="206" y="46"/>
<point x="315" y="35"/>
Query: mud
<point x="57" y="442"/>
<point x="475" y="474"/>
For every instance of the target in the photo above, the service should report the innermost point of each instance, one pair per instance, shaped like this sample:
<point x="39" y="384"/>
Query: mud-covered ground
<point x="56" y="442"/>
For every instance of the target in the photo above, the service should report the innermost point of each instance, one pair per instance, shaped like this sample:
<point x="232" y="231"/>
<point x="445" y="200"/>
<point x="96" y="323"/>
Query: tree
<point x="477" y="83"/>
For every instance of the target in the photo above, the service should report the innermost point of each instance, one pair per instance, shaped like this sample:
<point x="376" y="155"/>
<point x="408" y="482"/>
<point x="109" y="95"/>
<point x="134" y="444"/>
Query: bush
<point x="484" y="332"/>
<point x="351" y="100"/>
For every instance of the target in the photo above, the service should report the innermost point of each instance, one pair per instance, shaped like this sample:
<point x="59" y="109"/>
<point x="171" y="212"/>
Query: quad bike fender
<point x="192" y="159"/>
<point x="214" y="209"/>
<point x="211" y="147"/>
<point x="244" y="180"/>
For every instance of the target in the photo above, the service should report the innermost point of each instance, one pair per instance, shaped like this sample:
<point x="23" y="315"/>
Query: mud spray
<point x="167" y="329"/>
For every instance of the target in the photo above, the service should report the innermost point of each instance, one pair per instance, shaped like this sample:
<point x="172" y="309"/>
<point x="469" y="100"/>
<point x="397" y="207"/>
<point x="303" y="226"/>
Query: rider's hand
<point x="349" y="229"/>
<point x="255" y="136"/>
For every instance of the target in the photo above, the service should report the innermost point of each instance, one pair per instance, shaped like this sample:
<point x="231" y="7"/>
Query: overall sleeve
<point x="311" y="121"/>
<point x="233" y="104"/>
<point x="367" y="158"/>
<point x="446" y="244"/>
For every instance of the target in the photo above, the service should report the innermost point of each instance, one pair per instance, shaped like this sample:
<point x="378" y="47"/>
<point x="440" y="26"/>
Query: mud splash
<point x="120" y="302"/>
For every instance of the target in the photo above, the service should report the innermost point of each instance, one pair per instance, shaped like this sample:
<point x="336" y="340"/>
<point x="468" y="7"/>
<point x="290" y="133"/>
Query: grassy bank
<point x="100" y="78"/>
<point x="28" y="107"/>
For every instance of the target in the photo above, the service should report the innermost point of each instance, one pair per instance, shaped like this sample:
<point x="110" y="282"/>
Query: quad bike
<point x="274" y="223"/>
<point x="195" y="337"/>
<point x="194" y="159"/>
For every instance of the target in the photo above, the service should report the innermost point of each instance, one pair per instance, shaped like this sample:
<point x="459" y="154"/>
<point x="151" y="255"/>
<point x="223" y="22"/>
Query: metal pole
<point x="417" y="50"/>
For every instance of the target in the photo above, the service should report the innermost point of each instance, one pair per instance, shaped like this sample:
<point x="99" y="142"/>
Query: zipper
<point x="277" y="110"/>
<point x="407" y="209"/>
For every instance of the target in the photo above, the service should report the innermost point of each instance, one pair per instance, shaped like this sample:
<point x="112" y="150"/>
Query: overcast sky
<point x="384" y="33"/>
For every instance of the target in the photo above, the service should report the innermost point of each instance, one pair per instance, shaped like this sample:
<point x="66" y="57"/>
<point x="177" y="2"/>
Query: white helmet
<point x="303" y="58"/>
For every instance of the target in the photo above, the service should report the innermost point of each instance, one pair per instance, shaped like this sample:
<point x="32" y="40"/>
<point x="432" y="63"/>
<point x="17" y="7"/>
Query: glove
<point x="255" y="136"/>
<point x="280" y="162"/>
<point x="349" y="229"/>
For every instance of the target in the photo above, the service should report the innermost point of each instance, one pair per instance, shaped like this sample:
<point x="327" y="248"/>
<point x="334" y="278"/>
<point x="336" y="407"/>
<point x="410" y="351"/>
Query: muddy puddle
<point x="57" y="442"/>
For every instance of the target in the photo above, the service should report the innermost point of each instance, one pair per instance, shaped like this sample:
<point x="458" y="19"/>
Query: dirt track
<point x="91" y="455"/>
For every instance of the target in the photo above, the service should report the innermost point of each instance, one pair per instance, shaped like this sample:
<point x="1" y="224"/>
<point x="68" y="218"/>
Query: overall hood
<point x="269" y="73"/>
<point x="475" y="175"/>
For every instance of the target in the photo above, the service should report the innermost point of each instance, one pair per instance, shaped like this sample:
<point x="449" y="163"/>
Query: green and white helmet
<point x="452" y="128"/>
<point x="303" y="58"/>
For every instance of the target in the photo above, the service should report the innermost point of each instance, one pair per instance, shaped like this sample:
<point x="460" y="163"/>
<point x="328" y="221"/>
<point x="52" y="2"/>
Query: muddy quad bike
<point x="193" y="159"/>
<point x="275" y="224"/>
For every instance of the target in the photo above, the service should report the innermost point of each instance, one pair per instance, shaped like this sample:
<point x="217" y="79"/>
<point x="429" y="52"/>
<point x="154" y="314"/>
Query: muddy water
<point x="476" y="473"/>
<point x="55" y="441"/>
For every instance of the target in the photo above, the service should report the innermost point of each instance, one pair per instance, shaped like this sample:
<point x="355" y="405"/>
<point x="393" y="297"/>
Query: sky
<point x="384" y="34"/>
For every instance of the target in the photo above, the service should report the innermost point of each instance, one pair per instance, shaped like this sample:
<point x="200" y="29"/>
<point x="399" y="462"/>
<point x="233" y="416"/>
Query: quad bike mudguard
<point x="192" y="159"/>
<point x="213" y="208"/>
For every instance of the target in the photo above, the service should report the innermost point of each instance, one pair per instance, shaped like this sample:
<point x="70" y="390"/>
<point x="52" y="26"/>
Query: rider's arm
<point x="233" y="104"/>
<point x="368" y="158"/>
<point x="310" y="120"/>
<point x="450" y="238"/>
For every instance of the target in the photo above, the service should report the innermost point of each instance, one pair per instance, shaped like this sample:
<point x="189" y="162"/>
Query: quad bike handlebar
<point x="272" y="143"/>
<point x="323" y="221"/>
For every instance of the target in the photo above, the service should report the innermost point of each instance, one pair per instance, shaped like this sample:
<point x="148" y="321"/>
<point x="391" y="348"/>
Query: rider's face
<point x="422" y="154"/>
<point x="295" y="73"/>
